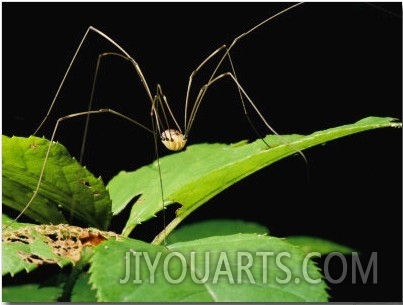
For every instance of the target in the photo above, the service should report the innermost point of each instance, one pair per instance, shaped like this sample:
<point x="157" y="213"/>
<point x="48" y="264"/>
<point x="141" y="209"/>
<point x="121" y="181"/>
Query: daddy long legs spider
<point x="162" y="116"/>
<point x="292" y="77"/>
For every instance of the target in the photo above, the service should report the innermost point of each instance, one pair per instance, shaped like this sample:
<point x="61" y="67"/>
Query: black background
<point x="315" y="67"/>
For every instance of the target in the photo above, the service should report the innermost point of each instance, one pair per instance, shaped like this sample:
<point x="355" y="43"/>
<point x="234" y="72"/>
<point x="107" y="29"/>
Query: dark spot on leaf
<point x="91" y="239"/>
<point x="85" y="183"/>
<point x="52" y="236"/>
<point x="33" y="258"/>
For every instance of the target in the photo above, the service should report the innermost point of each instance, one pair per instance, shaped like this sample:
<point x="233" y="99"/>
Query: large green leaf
<point x="214" y="227"/>
<point x="194" y="176"/>
<point x="66" y="185"/>
<point x="232" y="268"/>
<point x="221" y="227"/>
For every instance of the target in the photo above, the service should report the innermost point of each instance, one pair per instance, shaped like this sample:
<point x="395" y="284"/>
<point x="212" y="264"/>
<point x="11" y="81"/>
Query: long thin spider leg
<point x="155" y="101"/>
<point x="243" y="102"/>
<point x="249" y="32"/>
<point x="229" y="74"/>
<point x="262" y="23"/>
<point x="189" y="122"/>
<point x="73" y="115"/>
<point x="87" y="120"/>
<point x="135" y="64"/>
<point x="192" y="75"/>
<point x="114" y="43"/>
<point x="203" y="92"/>
<point x="226" y="54"/>
<point x="62" y="82"/>
<point x="162" y="121"/>
<point x="86" y="127"/>
<point x="164" y="99"/>
<point x="160" y="106"/>
<point x="154" y="123"/>
<point x="154" y="114"/>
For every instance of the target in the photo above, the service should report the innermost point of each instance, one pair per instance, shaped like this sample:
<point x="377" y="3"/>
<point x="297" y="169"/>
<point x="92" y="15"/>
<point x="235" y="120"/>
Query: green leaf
<point x="232" y="268"/>
<point x="310" y="244"/>
<point x="202" y="171"/>
<point x="11" y="263"/>
<point x="214" y="227"/>
<point x="65" y="185"/>
<point x="26" y="249"/>
<point x="82" y="291"/>
<point x="30" y="293"/>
